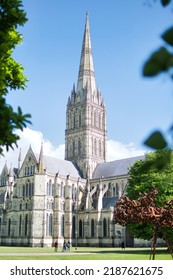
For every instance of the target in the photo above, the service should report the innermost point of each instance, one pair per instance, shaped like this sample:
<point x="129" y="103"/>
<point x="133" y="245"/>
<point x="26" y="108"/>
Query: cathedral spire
<point x="41" y="163"/>
<point x="19" y="160"/>
<point x="86" y="77"/>
<point x="85" y="135"/>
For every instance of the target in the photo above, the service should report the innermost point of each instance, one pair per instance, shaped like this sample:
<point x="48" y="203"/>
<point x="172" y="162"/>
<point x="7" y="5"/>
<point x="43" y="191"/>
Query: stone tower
<point x="85" y="135"/>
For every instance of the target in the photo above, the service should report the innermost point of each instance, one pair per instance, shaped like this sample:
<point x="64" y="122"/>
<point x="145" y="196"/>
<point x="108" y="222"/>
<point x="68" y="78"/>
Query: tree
<point x="146" y="175"/>
<point x="145" y="211"/>
<point x="12" y="78"/>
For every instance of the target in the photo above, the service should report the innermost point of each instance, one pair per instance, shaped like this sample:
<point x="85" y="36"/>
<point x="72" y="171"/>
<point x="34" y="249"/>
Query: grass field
<point x="81" y="253"/>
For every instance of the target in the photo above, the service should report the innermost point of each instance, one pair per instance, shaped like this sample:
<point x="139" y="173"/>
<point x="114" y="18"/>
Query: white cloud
<point x="34" y="138"/>
<point x="115" y="150"/>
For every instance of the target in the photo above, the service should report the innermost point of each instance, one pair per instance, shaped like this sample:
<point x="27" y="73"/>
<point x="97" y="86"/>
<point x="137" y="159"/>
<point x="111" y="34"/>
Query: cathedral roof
<point x="115" y="168"/>
<point x="55" y="165"/>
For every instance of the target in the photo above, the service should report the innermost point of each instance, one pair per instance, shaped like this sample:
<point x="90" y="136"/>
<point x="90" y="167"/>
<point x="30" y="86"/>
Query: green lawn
<point x="82" y="253"/>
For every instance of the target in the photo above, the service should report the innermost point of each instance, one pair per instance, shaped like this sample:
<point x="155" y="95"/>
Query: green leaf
<point x="162" y="161"/>
<point x="160" y="61"/>
<point x="151" y="68"/>
<point x="156" y="141"/>
<point x="165" y="2"/>
<point x="168" y="36"/>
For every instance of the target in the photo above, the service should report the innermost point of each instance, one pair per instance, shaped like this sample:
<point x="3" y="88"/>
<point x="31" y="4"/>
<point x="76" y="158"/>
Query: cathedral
<point x="45" y="199"/>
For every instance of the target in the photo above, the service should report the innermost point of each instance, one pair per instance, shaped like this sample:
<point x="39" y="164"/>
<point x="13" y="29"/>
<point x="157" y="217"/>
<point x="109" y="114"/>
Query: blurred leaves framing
<point x="160" y="61"/>
<point x="12" y="77"/>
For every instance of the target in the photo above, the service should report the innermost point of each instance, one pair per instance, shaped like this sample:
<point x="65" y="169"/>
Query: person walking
<point x="68" y="245"/>
<point x="56" y="246"/>
<point x="123" y="245"/>
<point x="64" y="246"/>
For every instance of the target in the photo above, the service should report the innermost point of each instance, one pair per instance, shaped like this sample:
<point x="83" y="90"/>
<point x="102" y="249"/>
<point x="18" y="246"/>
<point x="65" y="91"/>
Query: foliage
<point x="160" y="61"/>
<point x="12" y="16"/>
<point x="146" y="175"/>
<point x="141" y="231"/>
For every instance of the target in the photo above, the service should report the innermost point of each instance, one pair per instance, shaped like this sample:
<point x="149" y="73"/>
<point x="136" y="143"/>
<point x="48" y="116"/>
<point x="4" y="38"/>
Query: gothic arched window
<point x="47" y="224"/>
<point x="74" y="227"/>
<point x="23" y="189"/>
<point x="49" y="188"/>
<point x="109" y="189"/>
<point x="20" y="225"/>
<point x="92" y="118"/>
<point x="53" y="189"/>
<point x="92" y="228"/>
<point x="9" y="227"/>
<point x="104" y="227"/>
<point x="92" y="145"/>
<point x="103" y="122"/>
<point x="117" y="189"/>
<point x="80" y="119"/>
<point x="74" y="120"/>
<point x="71" y="120"/>
<point x="62" y="225"/>
<point x="95" y="147"/>
<point x="100" y="149"/>
<point x="80" y="228"/>
<point x="73" y="148"/>
<point x="27" y="189"/>
<point x="26" y="224"/>
<point x="114" y="191"/>
<point x="32" y="189"/>
<point x="79" y="148"/>
<point x="50" y="224"/>
<point x="0" y="225"/>
<point x="33" y="169"/>
<point x="95" y="119"/>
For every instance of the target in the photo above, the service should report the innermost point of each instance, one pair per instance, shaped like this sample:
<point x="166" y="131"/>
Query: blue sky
<point x="123" y="35"/>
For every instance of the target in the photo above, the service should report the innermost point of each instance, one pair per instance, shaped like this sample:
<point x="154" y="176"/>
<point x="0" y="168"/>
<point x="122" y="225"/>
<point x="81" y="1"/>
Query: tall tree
<point x="146" y="175"/>
<point x="12" y="78"/>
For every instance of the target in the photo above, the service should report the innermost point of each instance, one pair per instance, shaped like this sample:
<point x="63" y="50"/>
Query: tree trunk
<point x="153" y="246"/>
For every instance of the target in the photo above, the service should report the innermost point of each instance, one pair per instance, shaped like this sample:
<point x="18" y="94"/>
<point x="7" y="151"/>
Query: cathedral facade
<point x="46" y="199"/>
